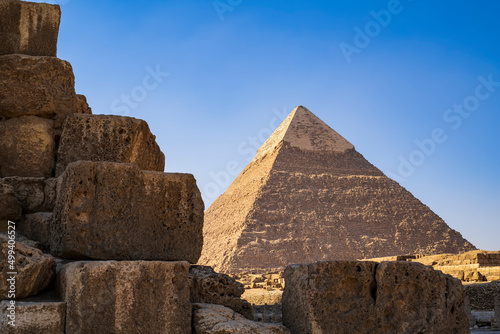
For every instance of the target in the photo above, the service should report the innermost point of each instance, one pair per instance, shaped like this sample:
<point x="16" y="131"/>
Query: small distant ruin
<point x="269" y="281"/>
<point x="473" y="266"/>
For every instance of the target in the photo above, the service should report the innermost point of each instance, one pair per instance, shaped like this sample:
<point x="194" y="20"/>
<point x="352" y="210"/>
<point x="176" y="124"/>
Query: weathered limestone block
<point x="217" y="319"/>
<point x="126" y="297"/>
<point x="34" y="318"/>
<point x="10" y="208"/>
<point x="27" y="147"/>
<point x="29" y="28"/>
<point x="210" y="287"/>
<point x="413" y="298"/>
<point x="112" y="211"/>
<point x="36" y="227"/>
<point x="366" y="297"/>
<point x="36" y="86"/>
<point x="109" y="138"/>
<point x="35" y="270"/>
<point x="29" y="191"/>
<point x="330" y="297"/>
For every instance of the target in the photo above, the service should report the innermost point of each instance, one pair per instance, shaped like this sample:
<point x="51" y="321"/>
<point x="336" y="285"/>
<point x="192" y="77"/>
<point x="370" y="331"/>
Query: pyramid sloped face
<point x="309" y="205"/>
<point x="229" y="214"/>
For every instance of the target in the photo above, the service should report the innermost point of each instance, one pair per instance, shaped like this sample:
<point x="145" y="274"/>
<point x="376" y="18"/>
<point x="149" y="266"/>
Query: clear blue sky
<point x="234" y="68"/>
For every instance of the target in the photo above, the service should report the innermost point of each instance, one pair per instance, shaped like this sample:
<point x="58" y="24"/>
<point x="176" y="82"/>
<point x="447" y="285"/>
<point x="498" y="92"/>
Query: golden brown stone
<point x="115" y="211"/>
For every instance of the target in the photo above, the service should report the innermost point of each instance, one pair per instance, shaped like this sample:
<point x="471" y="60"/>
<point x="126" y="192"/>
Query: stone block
<point x="27" y="147"/>
<point x="29" y="191"/>
<point x="10" y="207"/>
<point x="112" y="211"/>
<point x="330" y="296"/>
<point x="35" y="270"/>
<point x="44" y="317"/>
<point x="109" y="138"/>
<point x="126" y="297"/>
<point x="37" y="86"/>
<point x="210" y="287"/>
<point x="36" y="227"/>
<point x="29" y="28"/>
<point x="217" y="319"/>
<point x="415" y="298"/>
<point x="366" y="297"/>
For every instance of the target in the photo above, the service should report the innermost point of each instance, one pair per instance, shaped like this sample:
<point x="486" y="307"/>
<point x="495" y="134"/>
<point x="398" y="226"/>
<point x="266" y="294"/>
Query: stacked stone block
<point x="115" y="211"/>
<point x="126" y="297"/>
<point x="108" y="138"/>
<point x="28" y="29"/>
<point x="86" y="187"/>
<point x="35" y="270"/>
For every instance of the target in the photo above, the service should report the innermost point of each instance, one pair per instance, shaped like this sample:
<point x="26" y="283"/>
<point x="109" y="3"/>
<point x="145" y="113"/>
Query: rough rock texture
<point x="309" y="196"/>
<point x="366" y="297"/>
<point x="210" y="287"/>
<point x="217" y="319"/>
<point x="37" y="86"/>
<point x="126" y="297"/>
<point x="109" y="138"/>
<point x="49" y="194"/>
<point x="34" y="318"/>
<point x="10" y="208"/>
<point x="35" y="270"/>
<point x="482" y="295"/>
<point x="27" y="147"/>
<point x="81" y="105"/>
<point x="413" y="297"/>
<point x="27" y="242"/>
<point x="29" y="28"/>
<point x="36" y="227"/>
<point x="112" y="211"/>
<point x="29" y="191"/>
<point x="330" y="295"/>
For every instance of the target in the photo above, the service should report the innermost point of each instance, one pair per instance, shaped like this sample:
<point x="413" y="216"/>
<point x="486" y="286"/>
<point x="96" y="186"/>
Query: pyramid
<point x="309" y="196"/>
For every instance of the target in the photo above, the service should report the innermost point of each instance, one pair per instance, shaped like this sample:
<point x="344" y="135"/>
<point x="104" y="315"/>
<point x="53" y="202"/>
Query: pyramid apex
<point x="304" y="130"/>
